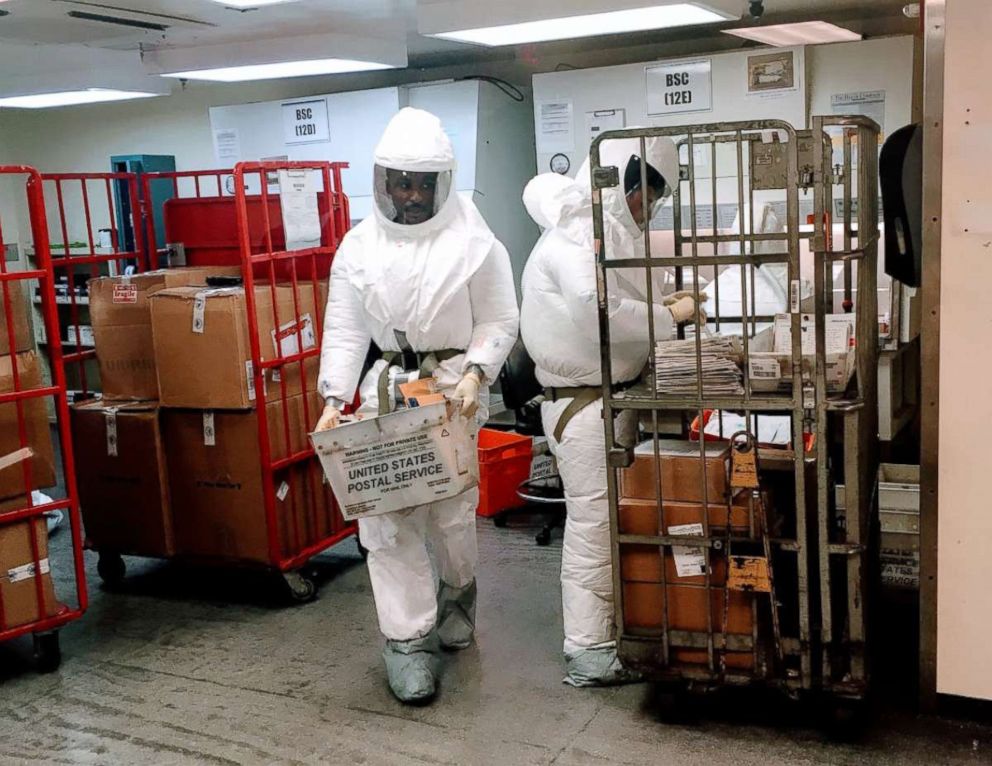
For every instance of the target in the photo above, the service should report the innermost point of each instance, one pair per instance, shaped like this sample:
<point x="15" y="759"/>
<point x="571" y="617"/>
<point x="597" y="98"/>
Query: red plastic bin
<point x="504" y="464"/>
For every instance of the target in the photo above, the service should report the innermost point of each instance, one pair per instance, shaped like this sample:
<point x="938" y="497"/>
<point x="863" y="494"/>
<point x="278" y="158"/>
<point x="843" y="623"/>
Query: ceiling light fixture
<point x="803" y="33"/>
<point x="71" y="98"/>
<point x="654" y="16"/>
<point x="279" y="70"/>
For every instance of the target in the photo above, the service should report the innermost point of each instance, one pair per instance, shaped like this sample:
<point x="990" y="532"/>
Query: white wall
<point x="964" y="567"/>
<point x="882" y="64"/>
<point x="625" y="87"/>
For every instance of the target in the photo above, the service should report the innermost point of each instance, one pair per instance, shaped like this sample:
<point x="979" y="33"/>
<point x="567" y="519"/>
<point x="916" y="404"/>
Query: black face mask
<point x="632" y="177"/>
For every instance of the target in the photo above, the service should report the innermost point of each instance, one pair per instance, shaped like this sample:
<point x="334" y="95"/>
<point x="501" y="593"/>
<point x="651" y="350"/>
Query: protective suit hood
<point x="415" y="141"/>
<point x="568" y="206"/>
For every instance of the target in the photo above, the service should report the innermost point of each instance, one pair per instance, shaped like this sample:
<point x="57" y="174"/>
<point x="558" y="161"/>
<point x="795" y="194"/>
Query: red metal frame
<point x="175" y="177"/>
<point x="315" y="263"/>
<point x="44" y="275"/>
<point x="56" y="187"/>
<point x="256" y="246"/>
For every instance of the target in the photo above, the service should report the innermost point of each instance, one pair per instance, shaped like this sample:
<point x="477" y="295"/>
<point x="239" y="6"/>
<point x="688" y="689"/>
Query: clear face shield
<point x="410" y="197"/>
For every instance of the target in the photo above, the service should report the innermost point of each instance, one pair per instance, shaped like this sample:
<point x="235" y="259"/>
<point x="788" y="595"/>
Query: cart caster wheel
<point x="47" y="653"/>
<point x="543" y="537"/>
<point x="302" y="589"/>
<point x="112" y="569"/>
<point x="362" y="550"/>
<point x="499" y="521"/>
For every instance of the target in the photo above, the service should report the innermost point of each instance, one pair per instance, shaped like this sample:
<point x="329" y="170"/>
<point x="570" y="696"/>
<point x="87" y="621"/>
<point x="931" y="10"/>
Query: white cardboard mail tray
<point x="397" y="461"/>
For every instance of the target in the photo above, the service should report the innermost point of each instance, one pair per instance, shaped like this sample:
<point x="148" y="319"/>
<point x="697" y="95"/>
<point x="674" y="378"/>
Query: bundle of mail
<point x="720" y="359"/>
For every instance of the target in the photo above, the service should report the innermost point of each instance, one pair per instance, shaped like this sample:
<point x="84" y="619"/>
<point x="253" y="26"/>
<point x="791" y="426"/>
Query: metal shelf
<point x="64" y="301"/>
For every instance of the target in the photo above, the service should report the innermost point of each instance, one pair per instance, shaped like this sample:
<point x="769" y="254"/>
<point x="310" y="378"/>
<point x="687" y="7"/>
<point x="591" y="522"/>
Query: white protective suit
<point x="560" y="328"/>
<point x="446" y="284"/>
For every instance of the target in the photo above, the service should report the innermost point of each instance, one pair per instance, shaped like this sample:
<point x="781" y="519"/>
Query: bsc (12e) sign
<point x="680" y="86"/>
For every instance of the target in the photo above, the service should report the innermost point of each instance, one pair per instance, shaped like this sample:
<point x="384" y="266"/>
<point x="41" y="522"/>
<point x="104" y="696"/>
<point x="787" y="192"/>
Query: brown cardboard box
<point x="644" y="605"/>
<point x="122" y="327"/>
<point x="122" y="479"/>
<point x="681" y="472"/>
<point x="20" y="308"/>
<point x="18" y="586"/>
<point x="640" y="517"/>
<point x="217" y="491"/>
<point x="39" y="437"/>
<point x="210" y="367"/>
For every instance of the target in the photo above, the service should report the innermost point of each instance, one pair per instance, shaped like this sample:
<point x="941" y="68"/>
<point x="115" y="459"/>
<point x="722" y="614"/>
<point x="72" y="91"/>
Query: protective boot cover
<point x="456" y="615"/>
<point x="411" y="667"/>
<point x="598" y="667"/>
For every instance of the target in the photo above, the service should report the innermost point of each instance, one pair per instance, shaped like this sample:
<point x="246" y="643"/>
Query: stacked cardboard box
<point x="207" y="388"/>
<point x="680" y="588"/>
<point x="37" y="471"/>
<point x="21" y="319"/>
<point x="202" y="344"/>
<point x="19" y="569"/>
<point x="28" y="462"/>
<point x="122" y="478"/>
<point x="180" y="472"/>
<point x="215" y="480"/>
<point x="122" y="327"/>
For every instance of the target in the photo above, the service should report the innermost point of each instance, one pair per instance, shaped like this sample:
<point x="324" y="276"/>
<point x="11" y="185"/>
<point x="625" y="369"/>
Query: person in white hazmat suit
<point x="560" y="327"/>
<point x="426" y="280"/>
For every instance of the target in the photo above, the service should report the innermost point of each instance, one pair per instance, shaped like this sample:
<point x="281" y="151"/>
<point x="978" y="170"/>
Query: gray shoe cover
<point x="411" y="667"/>
<point x="598" y="667"/>
<point x="456" y="615"/>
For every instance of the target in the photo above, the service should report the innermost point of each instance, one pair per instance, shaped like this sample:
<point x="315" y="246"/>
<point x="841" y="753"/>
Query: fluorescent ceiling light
<point x="251" y="3"/>
<point x="570" y="27"/>
<point x="803" y="33"/>
<point x="279" y="70"/>
<point x="71" y="98"/>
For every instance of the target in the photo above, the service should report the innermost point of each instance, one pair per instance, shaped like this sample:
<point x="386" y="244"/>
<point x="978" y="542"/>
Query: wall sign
<point x="305" y="122"/>
<point x="680" y="86"/>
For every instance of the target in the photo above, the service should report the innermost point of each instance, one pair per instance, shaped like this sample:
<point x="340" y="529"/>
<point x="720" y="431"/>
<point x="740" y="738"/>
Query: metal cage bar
<point x="50" y="616"/>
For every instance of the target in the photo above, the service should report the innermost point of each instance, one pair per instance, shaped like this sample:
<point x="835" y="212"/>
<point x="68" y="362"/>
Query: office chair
<point x="522" y="395"/>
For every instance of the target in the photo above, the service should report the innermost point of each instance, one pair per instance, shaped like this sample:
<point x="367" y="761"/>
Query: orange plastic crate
<point x="504" y="464"/>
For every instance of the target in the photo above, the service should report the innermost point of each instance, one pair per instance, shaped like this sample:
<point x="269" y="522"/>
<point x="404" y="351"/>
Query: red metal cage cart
<point x="235" y="219"/>
<point x="28" y="393"/>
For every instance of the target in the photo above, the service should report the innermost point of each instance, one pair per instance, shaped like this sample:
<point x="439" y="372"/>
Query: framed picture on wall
<point x="771" y="72"/>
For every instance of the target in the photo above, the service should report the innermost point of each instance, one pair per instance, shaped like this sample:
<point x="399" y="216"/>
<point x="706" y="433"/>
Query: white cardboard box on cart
<point x="401" y="460"/>
<point x="770" y="357"/>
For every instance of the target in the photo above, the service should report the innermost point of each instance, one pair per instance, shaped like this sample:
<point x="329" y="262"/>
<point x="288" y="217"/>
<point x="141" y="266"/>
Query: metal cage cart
<point x="237" y="219"/>
<point x="29" y="602"/>
<point x="732" y="565"/>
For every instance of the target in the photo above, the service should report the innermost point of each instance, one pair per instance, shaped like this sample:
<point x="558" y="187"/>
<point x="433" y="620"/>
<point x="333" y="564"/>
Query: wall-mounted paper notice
<point x="867" y="103"/>
<point x="555" y="130"/>
<point x="300" y="217"/>
<point x="227" y="147"/>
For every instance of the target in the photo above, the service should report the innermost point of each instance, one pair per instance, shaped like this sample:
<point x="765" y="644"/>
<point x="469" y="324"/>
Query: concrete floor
<point x="193" y="666"/>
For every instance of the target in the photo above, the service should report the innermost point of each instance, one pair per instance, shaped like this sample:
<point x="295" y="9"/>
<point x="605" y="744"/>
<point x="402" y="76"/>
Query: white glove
<point x="330" y="418"/>
<point x="684" y="308"/>
<point x="671" y="300"/>
<point x="467" y="391"/>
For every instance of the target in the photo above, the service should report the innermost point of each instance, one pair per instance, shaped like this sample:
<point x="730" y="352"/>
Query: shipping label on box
<point x="689" y="562"/>
<point x="288" y="339"/>
<point x="397" y="461"/>
<point x="125" y="293"/>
